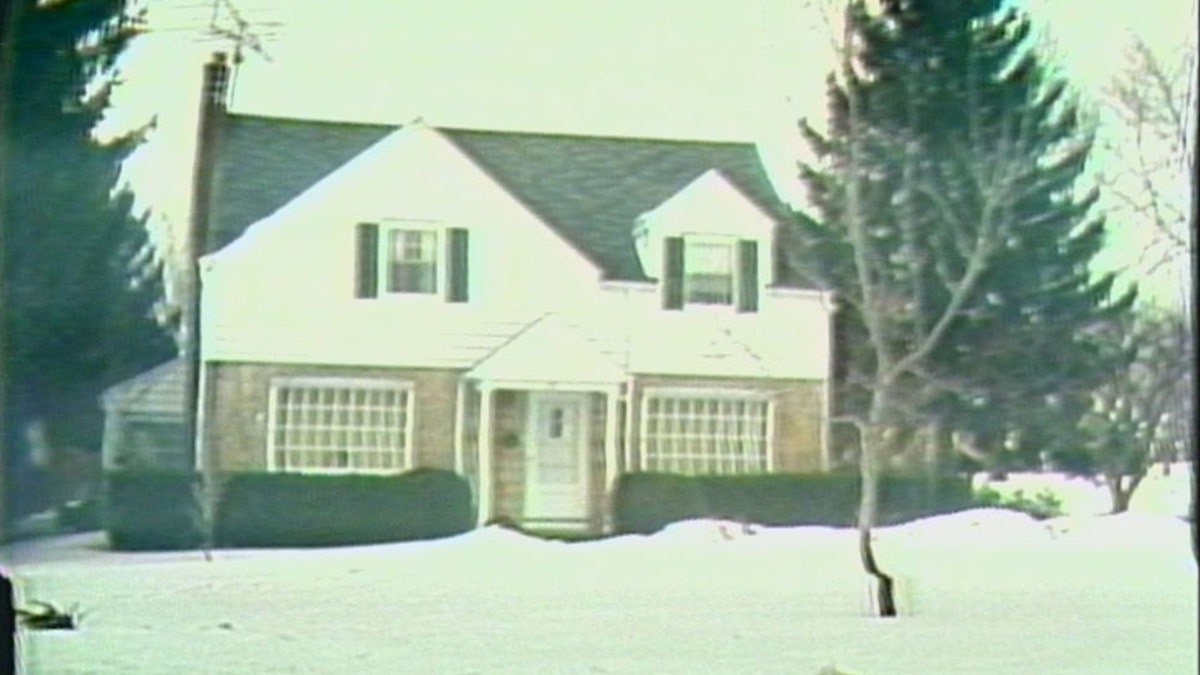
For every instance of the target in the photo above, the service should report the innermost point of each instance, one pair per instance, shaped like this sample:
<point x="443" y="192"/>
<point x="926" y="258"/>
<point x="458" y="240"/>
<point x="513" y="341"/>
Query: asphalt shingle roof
<point x="589" y="188"/>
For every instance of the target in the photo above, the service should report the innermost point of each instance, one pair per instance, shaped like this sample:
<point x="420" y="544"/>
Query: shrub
<point x="1045" y="504"/>
<point x="81" y="516"/>
<point x="152" y="510"/>
<point x="298" y="510"/>
<point x="645" y="502"/>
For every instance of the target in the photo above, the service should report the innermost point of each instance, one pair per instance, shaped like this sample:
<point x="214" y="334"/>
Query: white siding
<point x="709" y="205"/>
<point x="284" y="291"/>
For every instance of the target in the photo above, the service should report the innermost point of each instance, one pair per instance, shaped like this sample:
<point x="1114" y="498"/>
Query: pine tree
<point x="78" y="289"/>
<point x="951" y="93"/>
<point x="945" y="216"/>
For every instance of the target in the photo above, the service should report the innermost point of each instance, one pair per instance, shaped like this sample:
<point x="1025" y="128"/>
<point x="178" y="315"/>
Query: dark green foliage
<point x="1042" y="505"/>
<point x="646" y="502"/>
<point x="296" y="510"/>
<point x="152" y="510"/>
<point x="964" y="139"/>
<point x="73" y="320"/>
<point x="81" y="516"/>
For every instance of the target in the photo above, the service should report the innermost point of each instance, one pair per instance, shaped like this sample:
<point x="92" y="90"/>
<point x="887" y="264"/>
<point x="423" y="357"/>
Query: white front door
<point x="556" y="468"/>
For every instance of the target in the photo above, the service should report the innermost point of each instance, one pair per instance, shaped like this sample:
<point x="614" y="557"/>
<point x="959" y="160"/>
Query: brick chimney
<point x="214" y="91"/>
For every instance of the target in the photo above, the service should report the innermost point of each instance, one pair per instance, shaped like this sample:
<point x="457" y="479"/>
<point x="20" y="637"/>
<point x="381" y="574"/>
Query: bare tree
<point x="1131" y="424"/>
<point x="1153" y="100"/>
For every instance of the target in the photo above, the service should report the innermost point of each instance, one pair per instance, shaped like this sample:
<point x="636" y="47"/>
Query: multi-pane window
<point x="340" y="426"/>
<point x="411" y="261"/>
<point x="705" y="433"/>
<point x="708" y="277"/>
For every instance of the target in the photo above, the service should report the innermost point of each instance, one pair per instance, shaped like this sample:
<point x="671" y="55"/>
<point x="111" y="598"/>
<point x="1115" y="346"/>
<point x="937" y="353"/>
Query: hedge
<point x="152" y="510"/>
<point x="297" y="510"/>
<point x="646" y="502"/>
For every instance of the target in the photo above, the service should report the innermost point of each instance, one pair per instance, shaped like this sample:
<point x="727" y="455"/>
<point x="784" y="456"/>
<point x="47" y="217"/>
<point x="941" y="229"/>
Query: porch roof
<point x="548" y="352"/>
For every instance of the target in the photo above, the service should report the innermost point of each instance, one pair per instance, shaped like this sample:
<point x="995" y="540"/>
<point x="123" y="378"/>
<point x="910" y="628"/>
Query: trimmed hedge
<point x="297" y="510"/>
<point x="152" y="510"/>
<point x="647" y="502"/>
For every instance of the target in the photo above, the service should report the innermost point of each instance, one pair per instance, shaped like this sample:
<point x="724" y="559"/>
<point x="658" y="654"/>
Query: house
<point x="538" y="312"/>
<point x="143" y="421"/>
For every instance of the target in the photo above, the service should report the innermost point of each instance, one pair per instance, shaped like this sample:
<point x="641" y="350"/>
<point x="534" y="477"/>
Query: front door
<point x="556" y="469"/>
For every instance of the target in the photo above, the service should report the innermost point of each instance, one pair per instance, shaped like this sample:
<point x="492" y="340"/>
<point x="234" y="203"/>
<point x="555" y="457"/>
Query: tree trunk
<point x="868" y="508"/>
<point x="1121" y="492"/>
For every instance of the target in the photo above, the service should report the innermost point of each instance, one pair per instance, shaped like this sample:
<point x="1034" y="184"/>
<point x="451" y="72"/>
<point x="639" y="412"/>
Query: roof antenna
<point x="226" y="22"/>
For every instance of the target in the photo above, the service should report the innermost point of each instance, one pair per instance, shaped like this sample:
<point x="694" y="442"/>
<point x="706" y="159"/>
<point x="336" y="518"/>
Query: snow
<point x="982" y="591"/>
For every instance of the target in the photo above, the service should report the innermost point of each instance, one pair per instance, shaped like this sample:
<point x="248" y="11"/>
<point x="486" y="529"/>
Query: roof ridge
<point x="576" y="135"/>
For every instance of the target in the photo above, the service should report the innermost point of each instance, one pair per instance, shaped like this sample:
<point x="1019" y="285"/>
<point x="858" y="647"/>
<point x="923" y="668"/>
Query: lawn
<point x="982" y="591"/>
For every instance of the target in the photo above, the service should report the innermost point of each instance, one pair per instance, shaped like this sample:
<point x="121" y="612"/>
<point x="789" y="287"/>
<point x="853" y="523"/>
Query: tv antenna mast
<point x="226" y="23"/>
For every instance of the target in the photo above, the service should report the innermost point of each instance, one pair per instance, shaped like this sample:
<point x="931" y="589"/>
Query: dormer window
<point x="411" y="259"/>
<point x="707" y="270"/>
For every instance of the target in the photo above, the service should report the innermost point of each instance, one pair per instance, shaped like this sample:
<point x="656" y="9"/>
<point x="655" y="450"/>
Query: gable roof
<point x="262" y="163"/>
<point x="588" y="188"/>
<point x="158" y="390"/>
<point x="591" y="188"/>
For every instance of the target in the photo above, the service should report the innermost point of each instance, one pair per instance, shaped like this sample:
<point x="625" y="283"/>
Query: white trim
<point x="707" y="392"/>
<point x="383" y="255"/>
<point x="629" y="408"/>
<point x="272" y="406"/>
<point x="406" y="388"/>
<point x="338" y="381"/>
<point x="610" y="439"/>
<point x="642" y="427"/>
<point x="728" y="241"/>
<point x="460" y="415"/>
<point x="484" y="448"/>
<point x="581" y="402"/>
<point x="540" y="386"/>
<point x="771" y="445"/>
<point x="199" y="451"/>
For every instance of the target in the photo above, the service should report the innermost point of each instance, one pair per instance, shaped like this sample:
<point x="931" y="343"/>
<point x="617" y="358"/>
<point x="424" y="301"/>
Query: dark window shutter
<point x="747" y="283"/>
<point x="367" y="261"/>
<point x="456" y="265"/>
<point x="672" y="276"/>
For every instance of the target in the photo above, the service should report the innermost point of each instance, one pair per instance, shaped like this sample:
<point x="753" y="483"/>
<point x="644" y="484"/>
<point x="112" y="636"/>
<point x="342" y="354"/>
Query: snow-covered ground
<point x="983" y="591"/>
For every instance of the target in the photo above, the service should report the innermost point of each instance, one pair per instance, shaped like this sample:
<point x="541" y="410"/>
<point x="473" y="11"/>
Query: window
<point x="718" y="433"/>
<point x="152" y="442"/>
<point x="708" y="272"/>
<point x="340" y="426"/>
<point x="411" y="261"/>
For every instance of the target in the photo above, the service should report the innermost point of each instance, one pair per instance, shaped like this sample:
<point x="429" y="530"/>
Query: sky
<point x="670" y="68"/>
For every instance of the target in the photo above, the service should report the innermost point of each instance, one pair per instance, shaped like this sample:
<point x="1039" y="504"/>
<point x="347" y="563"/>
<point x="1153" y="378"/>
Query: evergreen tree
<point x="78" y="288"/>
<point x="965" y="141"/>
<point x="945" y="219"/>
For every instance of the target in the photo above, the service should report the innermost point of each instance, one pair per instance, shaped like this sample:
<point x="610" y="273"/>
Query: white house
<point x="538" y="312"/>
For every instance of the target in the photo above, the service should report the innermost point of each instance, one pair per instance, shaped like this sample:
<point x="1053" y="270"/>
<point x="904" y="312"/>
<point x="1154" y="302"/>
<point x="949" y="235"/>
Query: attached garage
<point x="143" y="421"/>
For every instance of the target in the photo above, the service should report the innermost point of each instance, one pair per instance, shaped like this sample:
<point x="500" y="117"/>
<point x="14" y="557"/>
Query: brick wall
<point x="236" y="422"/>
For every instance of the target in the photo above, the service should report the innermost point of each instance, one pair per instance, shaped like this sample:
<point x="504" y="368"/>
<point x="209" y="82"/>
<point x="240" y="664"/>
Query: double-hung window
<point x="708" y="272"/>
<point x="700" y="432"/>
<point x="411" y="258"/>
<point x="333" y="425"/>
<point x="411" y="261"/>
